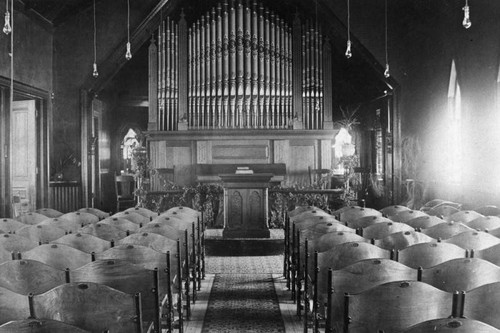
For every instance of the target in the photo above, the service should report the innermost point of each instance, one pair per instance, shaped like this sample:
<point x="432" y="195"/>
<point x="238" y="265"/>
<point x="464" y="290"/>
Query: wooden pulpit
<point x="246" y="205"/>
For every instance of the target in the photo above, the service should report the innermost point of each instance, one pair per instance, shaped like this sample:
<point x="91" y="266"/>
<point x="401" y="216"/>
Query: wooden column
<point x="297" y="73"/>
<point x="183" y="74"/>
<point x="153" y="87"/>
<point x="327" y="85"/>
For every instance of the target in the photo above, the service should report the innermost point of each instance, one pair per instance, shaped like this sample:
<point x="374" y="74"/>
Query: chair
<point x="492" y="254"/>
<point x="393" y="210"/>
<point x="105" y="231"/>
<point x="183" y="210"/>
<point x="133" y="217"/>
<point x="121" y="223"/>
<point x="31" y="218"/>
<point x="49" y="212"/>
<point x="30" y="276"/>
<point x="446" y="230"/>
<point x="83" y="305"/>
<point x="384" y="229"/>
<point x="94" y="211"/>
<point x="62" y="223"/>
<point x="16" y="243"/>
<point x="407" y="215"/>
<point x="395" y="306"/>
<point x="84" y="242"/>
<point x="464" y="216"/>
<point x="323" y="228"/>
<point x="329" y="240"/>
<point x="356" y="278"/>
<point x="461" y="274"/>
<point x="129" y="278"/>
<point x="424" y="222"/>
<point x="162" y="177"/>
<point x="355" y="213"/>
<point x="143" y="211"/>
<point x="13" y="306"/>
<point x="485" y="223"/>
<point x="482" y="304"/>
<point x="320" y="177"/>
<point x="41" y="233"/>
<point x="39" y="326"/>
<point x="488" y="210"/>
<point x="366" y="221"/>
<point x="427" y="255"/>
<point x="59" y="256"/>
<point x="136" y="254"/>
<point x="308" y="214"/>
<point x="443" y="211"/>
<point x="300" y="209"/>
<point x="5" y="255"/>
<point x="476" y="240"/>
<point x="452" y="325"/>
<point x="155" y="241"/>
<point x="401" y="240"/>
<point x="10" y="226"/>
<point x="82" y="218"/>
<point x="311" y="221"/>
<point x="124" y="189"/>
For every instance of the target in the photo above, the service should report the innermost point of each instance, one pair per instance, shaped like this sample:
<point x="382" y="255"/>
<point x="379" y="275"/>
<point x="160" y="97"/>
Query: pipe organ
<point x="237" y="65"/>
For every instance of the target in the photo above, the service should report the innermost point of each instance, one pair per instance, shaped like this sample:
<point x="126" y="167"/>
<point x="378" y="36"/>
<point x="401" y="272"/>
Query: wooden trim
<point x="240" y="134"/>
<point x="85" y="112"/>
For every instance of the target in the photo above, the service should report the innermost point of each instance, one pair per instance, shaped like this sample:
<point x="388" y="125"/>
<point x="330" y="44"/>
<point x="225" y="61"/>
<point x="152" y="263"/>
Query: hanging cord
<point x="386" y="72"/>
<point x="128" y="53"/>
<point x="95" y="73"/>
<point x="11" y="57"/>
<point x="348" y="52"/>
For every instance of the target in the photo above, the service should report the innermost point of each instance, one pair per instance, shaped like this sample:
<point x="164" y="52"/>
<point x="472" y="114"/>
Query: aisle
<point x="243" y="303"/>
<point x="246" y="294"/>
<point x="243" y="298"/>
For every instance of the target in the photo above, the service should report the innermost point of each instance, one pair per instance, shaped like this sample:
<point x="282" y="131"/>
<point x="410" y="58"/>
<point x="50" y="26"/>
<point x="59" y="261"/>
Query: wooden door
<point x="23" y="147"/>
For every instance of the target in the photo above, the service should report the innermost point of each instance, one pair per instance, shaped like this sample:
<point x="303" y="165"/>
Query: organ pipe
<point x="240" y="71"/>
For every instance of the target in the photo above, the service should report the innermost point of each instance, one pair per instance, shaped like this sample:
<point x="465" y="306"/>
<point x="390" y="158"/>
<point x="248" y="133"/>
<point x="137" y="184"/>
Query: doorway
<point x="23" y="157"/>
<point x="24" y="148"/>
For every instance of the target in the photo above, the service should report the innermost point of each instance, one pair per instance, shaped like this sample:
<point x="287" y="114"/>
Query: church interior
<point x="249" y="165"/>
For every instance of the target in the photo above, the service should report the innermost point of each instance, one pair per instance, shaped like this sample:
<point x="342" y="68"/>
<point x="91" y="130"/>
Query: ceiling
<point x="356" y="80"/>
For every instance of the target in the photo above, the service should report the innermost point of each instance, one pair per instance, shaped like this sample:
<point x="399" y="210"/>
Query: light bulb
<point x="348" y="52"/>
<point x="7" y="28"/>
<point x="128" y="54"/>
<point x="466" y="22"/>
<point x="386" y="72"/>
<point x="95" y="73"/>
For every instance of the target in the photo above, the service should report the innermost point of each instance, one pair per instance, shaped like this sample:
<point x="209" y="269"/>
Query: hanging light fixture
<point x="128" y="53"/>
<point x="348" y="52"/>
<point x="7" y="28"/>
<point x="466" y="22"/>
<point x="95" y="73"/>
<point x="386" y="72"/>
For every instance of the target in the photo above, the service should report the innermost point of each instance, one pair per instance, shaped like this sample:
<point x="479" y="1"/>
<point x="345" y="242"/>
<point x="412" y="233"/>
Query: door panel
<point x="23" y="152"/>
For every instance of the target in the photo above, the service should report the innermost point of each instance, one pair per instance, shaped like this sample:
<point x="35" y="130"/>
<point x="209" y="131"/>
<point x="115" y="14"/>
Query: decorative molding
<point x="281" y="151"/>
<point x="204" y="152"/>
<point x="326" y="154"/>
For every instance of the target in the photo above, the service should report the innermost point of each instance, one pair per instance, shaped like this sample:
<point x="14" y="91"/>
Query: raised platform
<point x="216" y="245"/>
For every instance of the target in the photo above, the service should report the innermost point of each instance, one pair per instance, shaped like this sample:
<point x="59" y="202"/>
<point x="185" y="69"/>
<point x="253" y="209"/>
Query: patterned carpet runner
<point x="243" y="298"/>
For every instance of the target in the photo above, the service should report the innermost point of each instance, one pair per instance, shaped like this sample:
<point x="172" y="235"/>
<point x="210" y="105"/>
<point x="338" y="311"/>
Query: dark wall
<point x="74" y="58"/>
<point x="33" y="48"/>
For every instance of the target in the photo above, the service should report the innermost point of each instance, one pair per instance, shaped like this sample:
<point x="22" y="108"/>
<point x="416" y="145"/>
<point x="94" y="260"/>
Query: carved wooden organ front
<point x="240" y="66"/>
